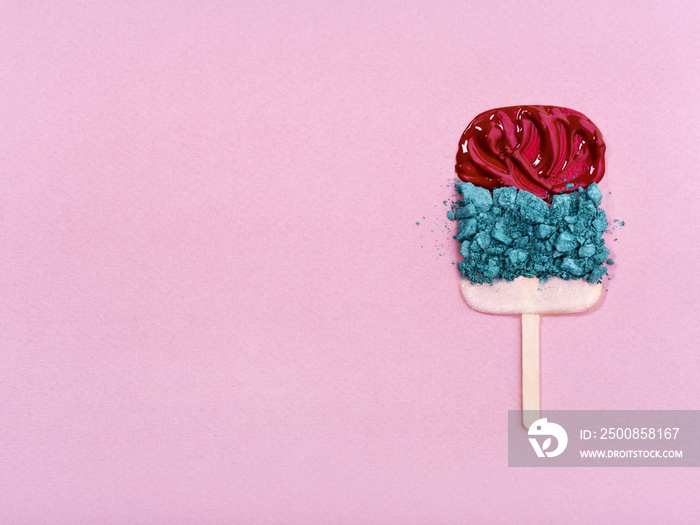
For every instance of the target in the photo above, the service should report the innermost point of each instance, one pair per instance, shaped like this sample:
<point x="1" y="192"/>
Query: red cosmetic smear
<point x="540" y="149"/>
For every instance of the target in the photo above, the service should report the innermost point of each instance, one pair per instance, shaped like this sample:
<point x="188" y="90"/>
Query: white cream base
<point x="527" y="295"/>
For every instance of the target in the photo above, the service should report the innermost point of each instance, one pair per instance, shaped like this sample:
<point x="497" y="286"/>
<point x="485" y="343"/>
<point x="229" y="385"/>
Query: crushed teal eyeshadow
<point x="511" y="233"/>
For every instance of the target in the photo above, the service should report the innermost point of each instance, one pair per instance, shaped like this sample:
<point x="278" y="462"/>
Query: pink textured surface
<point x="217" y="306"/>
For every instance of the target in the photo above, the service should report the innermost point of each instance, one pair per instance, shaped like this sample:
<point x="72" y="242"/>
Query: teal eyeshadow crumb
<point x="511" y="233"/>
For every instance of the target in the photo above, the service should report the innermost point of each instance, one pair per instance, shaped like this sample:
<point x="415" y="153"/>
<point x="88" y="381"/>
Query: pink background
<point x="216" y="305"/>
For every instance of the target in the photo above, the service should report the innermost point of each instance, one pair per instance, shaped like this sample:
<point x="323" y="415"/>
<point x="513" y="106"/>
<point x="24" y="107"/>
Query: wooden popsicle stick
<point x="531" y="368"/>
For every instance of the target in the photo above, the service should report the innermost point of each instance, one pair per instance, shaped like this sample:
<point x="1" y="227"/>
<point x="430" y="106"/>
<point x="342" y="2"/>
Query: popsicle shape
<point x="530" y="222"/>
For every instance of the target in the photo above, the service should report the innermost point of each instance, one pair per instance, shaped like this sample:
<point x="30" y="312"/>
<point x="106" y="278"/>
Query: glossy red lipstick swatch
<point x="541" y="149"/>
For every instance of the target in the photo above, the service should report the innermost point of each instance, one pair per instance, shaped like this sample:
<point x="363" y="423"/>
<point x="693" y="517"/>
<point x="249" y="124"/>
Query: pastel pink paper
<point x="217" y="307"/>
